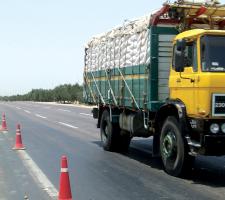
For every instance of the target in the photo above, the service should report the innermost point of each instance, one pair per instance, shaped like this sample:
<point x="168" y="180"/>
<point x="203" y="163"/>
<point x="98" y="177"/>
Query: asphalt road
<point x="50" y="131"/>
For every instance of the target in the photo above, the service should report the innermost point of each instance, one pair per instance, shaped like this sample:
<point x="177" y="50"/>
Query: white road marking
<point x="86" y="114"/>
<point x="38" y="175"/>
<point x="43" y="117"/>
<point x="27" y="111"/>
<point x="68" y="125"/>
<point x="18" y="108"/>
<point x="64" y="110"/>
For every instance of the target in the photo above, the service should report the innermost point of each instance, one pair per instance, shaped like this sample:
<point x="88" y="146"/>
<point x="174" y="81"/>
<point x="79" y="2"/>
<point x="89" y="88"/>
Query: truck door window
<point x="173" y="59"/>
<point x="195" y="62"/>
<point x="191" y="56"/>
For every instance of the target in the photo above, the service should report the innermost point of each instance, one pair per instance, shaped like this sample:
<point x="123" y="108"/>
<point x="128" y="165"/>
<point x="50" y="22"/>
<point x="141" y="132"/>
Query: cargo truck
<point x="162" y="75"/>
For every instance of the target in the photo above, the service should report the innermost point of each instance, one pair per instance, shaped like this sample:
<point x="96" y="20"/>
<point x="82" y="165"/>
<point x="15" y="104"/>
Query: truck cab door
<point x="183" y="85"/>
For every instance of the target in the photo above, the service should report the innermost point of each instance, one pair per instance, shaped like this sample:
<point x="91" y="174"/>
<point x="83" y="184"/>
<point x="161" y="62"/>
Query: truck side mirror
<point x="180" y="55"/>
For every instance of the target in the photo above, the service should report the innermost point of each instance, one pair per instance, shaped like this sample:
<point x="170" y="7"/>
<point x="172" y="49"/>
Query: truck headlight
<point x="223" y="127"/>
<point x="214" y="128"/>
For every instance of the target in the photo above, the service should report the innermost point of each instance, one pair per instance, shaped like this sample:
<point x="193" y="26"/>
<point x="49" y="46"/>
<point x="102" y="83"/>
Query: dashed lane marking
<point x="27" y="111"/>
<point x="86" y="114"/>
<point x="38" y="175"/>
<point x="68" y="125"/>
<point x="18" y="108"/>
<point x="43" y="117"/>
<point x="64" y="110"/>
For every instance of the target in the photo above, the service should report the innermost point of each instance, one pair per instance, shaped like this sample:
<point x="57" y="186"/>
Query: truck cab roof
<point x="197" y="32"/>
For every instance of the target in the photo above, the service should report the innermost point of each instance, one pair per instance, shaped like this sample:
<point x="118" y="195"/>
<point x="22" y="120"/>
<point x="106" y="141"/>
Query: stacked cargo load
<point x="117" y="64"/>
<point x="122" y="46"/>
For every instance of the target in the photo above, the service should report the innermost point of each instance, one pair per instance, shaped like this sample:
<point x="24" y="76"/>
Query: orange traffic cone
<point x="4" y="125"/>
<point x="18" y="144"/>
<point x="64" y="185"/>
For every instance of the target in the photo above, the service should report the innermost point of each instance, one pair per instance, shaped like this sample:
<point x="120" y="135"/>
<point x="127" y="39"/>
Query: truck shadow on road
<point x="141" y="152"/>
<point x="209" y="171"/>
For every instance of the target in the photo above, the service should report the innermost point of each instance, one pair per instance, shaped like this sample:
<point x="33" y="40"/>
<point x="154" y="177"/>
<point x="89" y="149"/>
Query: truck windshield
<point x="212" y="53"/>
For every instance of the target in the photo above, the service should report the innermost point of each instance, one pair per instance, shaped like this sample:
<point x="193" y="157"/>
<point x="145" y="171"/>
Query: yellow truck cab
<point x="199" y="77"/>
<point x="196" y="86"/>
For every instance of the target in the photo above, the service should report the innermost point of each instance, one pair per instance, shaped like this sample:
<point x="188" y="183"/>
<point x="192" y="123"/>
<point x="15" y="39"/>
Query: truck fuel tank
<point x="133" y="123"/>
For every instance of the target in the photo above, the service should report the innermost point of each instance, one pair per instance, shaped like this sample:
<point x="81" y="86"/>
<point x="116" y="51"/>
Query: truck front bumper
<point x="214" y="145"/>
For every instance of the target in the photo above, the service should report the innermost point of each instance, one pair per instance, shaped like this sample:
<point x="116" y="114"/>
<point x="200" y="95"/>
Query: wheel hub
<point x="169" y="145"/>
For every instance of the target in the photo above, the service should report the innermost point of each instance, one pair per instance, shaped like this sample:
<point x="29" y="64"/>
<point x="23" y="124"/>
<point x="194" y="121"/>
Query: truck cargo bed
<point x="131" y="68"/>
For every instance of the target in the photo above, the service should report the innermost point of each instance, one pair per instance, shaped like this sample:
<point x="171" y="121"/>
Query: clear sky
<point x="42" y="41"/>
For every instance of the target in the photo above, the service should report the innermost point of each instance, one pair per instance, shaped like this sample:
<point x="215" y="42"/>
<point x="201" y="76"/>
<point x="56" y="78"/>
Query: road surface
<point x="50" y="131"/>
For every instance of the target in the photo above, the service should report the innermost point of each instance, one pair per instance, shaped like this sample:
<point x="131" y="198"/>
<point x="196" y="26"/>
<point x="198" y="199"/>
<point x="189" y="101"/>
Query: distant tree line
<point x="66" y="93"/>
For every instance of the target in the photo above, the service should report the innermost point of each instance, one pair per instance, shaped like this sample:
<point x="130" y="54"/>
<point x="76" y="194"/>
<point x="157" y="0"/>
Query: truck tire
<point x="109" y="133"/>
<point x="174" y="150"/>
<point x="111" y="137"/>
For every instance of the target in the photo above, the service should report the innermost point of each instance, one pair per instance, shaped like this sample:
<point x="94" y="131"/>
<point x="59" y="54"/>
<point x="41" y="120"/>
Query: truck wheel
<point x="173" y="149"/>
<point x="109" y="133"/>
